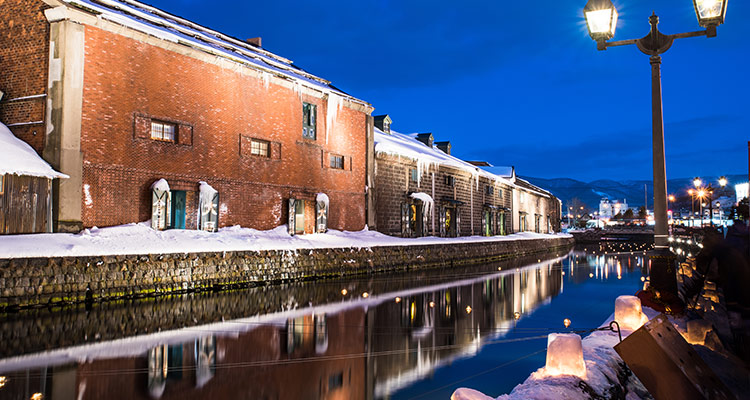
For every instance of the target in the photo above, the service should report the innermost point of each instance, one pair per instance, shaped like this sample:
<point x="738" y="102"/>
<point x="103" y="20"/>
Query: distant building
<point x="608" y="209"/>
<point x="421" y="189"/>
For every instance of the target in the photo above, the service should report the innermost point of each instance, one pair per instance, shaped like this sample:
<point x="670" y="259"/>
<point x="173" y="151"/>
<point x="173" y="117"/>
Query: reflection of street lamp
<point x="701" y="194"/>
<point x="601" y="19"/>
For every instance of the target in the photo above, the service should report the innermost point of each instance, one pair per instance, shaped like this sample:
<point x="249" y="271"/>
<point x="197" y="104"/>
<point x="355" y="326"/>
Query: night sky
<point x="520" y="82"/>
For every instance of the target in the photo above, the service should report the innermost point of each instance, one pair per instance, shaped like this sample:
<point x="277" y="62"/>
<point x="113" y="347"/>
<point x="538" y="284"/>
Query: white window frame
<point x="260" y="147"/>
<point x="164" y="131"/>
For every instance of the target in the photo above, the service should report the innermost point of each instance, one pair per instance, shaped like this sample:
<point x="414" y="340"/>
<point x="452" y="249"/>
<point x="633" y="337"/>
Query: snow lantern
<point x="565" y="355"/>
<point x="628" y="313"/>
<point x="469" y="394"/>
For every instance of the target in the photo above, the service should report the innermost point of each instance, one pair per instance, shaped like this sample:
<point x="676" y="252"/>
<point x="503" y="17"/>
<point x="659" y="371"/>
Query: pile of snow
<point x="141" y="239"/>
<point x="160" y="185"/>
<point x="323" y="198"/>
<point x="18" y="158"/>
<point x="207" y="191"/>
<point x="426" y="199"/>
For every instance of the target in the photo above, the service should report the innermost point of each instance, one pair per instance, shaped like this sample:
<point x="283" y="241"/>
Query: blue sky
<point x="519" y="84"/>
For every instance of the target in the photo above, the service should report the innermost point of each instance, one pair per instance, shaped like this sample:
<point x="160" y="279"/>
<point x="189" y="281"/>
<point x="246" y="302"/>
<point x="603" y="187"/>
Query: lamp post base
<point x="662" y="292"/>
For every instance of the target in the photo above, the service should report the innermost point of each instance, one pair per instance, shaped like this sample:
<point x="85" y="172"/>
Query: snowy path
<point x="141" y="239"/>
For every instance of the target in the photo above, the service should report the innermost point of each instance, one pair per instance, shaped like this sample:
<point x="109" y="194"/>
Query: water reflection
<point x="407" y="328"/>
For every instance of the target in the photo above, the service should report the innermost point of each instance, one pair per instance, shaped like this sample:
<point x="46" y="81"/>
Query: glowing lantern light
<point x="468" y="309"/>
<point x="628" y="313"/>
<point x="398" y="299"/>
<point x="710" y="12"/>
<point x="566" y="322"/>
<point x="565" y="355"/>
<point x="365" y="295"/>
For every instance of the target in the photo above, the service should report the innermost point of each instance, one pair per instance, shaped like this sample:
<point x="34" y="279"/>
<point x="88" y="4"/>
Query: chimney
<point x="256" y="41"/>
<point x="444" y="146"/>
<point x="426" y="138"/>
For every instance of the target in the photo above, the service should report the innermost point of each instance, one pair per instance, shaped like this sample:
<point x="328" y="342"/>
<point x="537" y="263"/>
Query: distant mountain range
<point x="590" y="193"/>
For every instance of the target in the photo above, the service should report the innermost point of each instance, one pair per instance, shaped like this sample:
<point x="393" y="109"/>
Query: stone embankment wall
<point x="59" y="280"/>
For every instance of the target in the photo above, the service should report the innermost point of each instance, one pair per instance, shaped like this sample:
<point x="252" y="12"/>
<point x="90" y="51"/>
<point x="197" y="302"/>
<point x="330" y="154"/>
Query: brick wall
<point x="24" y="34"/>
<point x="128" y="81"/>
<point x="393" y="183"/>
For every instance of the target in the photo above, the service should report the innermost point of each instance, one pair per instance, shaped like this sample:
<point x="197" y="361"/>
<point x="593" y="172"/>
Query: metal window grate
<point x="259" y="148"/>
<point x="337" y="162"/>
<point x="309" y="114"/>
<point x="163" y="131"/>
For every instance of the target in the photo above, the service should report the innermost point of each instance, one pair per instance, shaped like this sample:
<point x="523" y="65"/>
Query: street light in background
<point x="691" y="192"/>
<point x="601" y="20"/>
<point x="697" y="182"/>
<point x="701" y="194"/>
<point x="670" y="200"/>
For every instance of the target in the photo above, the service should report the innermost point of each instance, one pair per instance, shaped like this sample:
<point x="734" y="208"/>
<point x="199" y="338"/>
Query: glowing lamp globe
<point x="723" y="181"/>
<point x="564" y="355"/>
<point x="697" y="182"/>
<point x="601" y="19"/>
<point x="710" y="12"/>
<point x="628" y="313"/>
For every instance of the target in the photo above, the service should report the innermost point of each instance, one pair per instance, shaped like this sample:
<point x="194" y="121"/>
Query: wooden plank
<point x="668" y="366"/>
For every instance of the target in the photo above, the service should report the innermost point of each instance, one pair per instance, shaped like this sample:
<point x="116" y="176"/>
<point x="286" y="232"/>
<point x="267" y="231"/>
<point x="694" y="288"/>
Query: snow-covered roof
<point x="505" y="172"/>
<point x="406" y="145"/>
<point x="526" y="185"/>
<point x="158" y="23"/>
<point x="18" y="158"/>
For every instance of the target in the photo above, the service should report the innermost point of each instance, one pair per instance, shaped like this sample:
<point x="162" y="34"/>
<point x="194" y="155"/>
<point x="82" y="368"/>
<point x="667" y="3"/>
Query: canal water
<point x="399" y="336"/>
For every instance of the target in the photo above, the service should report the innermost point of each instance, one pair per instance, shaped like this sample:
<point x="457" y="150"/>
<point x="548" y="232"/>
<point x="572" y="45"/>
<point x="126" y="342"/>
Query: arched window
<point x="160" y="203"/>
<point x="208" y="209"/>
<point x="321" y="212"/>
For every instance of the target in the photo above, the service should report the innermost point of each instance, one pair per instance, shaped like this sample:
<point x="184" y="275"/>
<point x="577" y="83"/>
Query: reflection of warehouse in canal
<point x="340" y="351"/>
<point x="429" y="330"/>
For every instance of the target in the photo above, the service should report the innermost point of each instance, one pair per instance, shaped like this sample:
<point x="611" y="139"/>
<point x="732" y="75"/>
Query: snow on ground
<point x="17" y="157"/>
<point x="140" y="238"/>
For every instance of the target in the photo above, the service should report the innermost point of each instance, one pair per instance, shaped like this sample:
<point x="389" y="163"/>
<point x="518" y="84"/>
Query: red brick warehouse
<point x="132" y="95"/>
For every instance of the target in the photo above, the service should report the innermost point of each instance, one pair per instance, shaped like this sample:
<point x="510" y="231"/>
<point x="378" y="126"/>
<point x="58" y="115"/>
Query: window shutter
<point x="321" y="213"/>
<point x="404" y="219"/>
<point x="159" y="210"/>
<point x="185" y="135"/>
<point x="142" y="127"/>
<point x="291" y="220"/>
<point x="441" y="220"/>
<point x="484" y="222"/>
<point x="458" y="221"/>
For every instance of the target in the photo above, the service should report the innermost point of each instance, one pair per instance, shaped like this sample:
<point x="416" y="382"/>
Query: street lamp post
<point x="692" y="207"/>
<point x="601" y="19"/>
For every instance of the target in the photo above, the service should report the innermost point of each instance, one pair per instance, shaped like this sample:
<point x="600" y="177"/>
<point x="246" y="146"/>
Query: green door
<point x="178" y="209"/>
